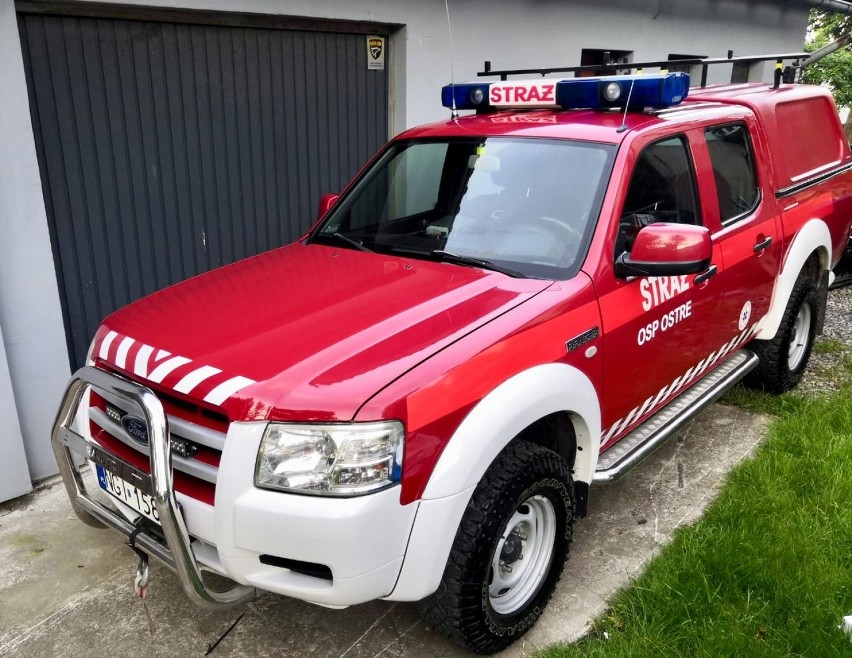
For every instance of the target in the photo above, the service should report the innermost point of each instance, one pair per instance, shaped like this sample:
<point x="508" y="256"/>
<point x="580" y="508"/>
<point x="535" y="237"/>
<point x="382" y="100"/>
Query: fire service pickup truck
<point x="413" y="401"/>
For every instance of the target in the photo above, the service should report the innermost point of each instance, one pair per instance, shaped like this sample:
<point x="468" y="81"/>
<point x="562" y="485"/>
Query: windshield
<point x="527" y="205"/>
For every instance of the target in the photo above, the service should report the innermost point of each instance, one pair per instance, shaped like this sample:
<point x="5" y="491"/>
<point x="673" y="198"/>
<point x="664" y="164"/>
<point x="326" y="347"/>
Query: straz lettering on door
<point x="656" y="291"/>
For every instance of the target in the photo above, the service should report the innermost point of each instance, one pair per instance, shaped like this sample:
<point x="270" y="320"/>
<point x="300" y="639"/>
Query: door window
<point x="733" y="168"/>
<point x="662" y="189"/>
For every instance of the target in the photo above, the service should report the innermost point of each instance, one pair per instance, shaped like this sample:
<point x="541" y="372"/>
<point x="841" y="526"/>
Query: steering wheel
<point x="559" y="242"/>
<point x="574" y="234"/>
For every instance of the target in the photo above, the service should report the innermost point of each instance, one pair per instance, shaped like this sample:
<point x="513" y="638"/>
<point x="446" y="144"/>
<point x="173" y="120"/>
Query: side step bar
<point x="664" y="424"/>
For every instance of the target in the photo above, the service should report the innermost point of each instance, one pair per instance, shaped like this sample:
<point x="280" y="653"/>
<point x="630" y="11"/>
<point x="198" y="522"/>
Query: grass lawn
<point x="767" y="571"/>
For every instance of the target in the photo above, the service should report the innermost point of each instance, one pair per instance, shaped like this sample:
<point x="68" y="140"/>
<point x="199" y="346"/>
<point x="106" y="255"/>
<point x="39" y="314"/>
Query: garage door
<point x="169" y="148"/>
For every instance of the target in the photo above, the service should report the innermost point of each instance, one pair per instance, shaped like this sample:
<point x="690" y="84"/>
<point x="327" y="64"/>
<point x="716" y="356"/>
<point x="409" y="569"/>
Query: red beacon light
<point x="618" y="91"/>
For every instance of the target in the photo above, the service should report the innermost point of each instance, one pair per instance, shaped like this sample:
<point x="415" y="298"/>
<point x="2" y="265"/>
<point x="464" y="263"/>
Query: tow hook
<point x="140" y="582"/>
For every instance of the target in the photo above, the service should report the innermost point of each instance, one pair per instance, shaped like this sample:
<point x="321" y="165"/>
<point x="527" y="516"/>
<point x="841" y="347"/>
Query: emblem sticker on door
<point x="745" y="315"/>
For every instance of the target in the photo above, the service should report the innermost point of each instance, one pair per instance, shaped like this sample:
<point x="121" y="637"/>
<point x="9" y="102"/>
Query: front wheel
<point x="508" y="552"/>
<point x="784" y="358"/>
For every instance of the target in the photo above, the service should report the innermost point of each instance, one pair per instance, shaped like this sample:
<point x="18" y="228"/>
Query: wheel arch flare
<point x="492" y="424"/>
<point x="813" y="238"/>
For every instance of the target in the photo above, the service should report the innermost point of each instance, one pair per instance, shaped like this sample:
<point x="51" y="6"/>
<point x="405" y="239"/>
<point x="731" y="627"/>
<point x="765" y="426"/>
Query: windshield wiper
<point x="459" y="259"/>
<point x="350" y="241"/>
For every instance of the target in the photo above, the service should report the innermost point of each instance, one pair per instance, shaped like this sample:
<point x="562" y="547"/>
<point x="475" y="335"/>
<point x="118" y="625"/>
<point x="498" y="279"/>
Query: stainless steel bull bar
<point x="177" y="553"/>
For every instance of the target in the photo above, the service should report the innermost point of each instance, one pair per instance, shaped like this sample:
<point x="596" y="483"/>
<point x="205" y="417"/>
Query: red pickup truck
<point x="413" y="401"/>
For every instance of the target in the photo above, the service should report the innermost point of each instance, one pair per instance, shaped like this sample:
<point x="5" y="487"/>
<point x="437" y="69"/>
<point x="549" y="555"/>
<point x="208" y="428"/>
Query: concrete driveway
<point x="66" y="589"/>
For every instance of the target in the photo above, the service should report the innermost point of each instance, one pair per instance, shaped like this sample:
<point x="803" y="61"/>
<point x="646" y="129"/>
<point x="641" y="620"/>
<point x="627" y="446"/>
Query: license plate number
<point x="131" y="496"/>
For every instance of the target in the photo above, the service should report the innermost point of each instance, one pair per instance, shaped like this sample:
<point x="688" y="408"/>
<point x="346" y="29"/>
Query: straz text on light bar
<point x="617" y="91"/>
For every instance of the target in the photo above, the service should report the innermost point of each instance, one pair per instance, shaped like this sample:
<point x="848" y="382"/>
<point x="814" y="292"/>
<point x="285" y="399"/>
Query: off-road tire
<point x="461" y="608"/>
<point x="773" y="373"/>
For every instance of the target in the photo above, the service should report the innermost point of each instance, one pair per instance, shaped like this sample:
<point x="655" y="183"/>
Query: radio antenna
<point x="623" y="125"/>
<point x="454" y="114"/>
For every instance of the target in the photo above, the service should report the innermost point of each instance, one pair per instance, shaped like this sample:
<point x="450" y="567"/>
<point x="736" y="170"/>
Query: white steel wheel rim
<point x="799" y="339"/>
<point x="533" y="527"/>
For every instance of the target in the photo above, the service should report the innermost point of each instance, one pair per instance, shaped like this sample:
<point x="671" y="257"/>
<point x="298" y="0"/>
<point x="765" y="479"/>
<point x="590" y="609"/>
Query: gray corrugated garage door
<point x="169" y="148"/>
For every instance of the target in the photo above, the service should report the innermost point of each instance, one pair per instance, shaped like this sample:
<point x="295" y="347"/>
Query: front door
<point x="658" y="331"/>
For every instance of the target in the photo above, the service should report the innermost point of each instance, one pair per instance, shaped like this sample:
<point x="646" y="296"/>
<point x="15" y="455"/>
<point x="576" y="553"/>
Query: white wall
<point x="528" y="33"/>
<point x="30" y="314"/>
<point x="510" y="33"/>
<point x="14" y="477"/>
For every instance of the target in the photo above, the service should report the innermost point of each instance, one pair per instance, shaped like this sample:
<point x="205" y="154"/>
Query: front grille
<point x="202" y="429"/>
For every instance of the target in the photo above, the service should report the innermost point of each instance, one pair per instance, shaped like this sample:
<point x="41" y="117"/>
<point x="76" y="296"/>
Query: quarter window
<point x="733" y="168"/>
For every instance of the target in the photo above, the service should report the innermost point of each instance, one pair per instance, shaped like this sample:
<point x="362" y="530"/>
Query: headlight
<point x="330" y="460"/>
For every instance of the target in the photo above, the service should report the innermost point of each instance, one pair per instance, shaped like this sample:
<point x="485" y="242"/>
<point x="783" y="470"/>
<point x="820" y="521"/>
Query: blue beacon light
<point x="632" y="91"/>
<point x="468" y="95"/>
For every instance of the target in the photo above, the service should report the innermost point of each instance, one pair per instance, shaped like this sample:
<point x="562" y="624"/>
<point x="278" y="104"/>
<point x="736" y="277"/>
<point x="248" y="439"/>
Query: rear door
<point x="748" y="224"/>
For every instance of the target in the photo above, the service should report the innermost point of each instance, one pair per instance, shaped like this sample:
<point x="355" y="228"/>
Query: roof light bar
<point x="634" y="91"/>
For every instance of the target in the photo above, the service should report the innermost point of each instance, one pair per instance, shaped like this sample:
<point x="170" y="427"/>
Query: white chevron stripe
<point x="660" y="395"/>
<point x="104" y="352"/>
<point x="630" y="417"/>
<point x="141" y="366"/>
<point x="712" y="358"/>
<point x="226" y="389"/>
<point x="690" y="374"/>
<point x="664" y="392"/>
<point x="123" y="348"/>
<point x="194" y="378"/>
<point x="162" y="370"/>
<point x="164" y="364"/>
<point x="646" y="405"/>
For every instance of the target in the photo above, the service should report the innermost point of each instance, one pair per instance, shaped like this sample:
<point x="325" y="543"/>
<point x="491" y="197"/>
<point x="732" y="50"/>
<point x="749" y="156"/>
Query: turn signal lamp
<point x="631" y="91"/>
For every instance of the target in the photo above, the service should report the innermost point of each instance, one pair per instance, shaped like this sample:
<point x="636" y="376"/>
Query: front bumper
<point x="250" y="535"/>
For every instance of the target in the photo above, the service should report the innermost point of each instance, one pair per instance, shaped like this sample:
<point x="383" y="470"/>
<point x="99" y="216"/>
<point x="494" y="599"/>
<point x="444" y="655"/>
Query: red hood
<point x="302" y="332"/>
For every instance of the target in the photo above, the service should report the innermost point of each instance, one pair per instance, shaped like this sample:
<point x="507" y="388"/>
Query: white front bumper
<point x="362" y="540"/>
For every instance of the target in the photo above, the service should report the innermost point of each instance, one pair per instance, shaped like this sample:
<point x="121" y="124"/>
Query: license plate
<point x="127" y="493"/>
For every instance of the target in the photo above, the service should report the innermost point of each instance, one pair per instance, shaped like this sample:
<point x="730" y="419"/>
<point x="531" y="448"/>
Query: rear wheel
<point x="508" y="552"/>
<point x="784" y="358"/>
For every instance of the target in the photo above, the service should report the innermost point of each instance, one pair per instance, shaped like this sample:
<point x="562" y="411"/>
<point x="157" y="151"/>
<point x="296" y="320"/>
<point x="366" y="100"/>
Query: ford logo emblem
<point x="136" y="429"/>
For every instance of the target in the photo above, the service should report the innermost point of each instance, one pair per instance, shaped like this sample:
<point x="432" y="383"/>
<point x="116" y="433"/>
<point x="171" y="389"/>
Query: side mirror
<point x="325" y="203"/>
<point x="667" y="250"/>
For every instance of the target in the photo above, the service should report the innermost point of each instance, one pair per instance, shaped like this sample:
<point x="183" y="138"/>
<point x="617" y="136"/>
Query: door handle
<point x="706" y="275"/>
<point x="763" y="244"/>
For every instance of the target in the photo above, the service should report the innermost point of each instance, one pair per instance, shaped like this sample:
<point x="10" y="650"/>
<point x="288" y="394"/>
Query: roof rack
<point x="788" y="74"/>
